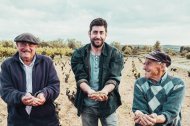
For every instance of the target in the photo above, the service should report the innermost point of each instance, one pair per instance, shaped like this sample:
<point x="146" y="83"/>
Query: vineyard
<point x="132" y="70"/>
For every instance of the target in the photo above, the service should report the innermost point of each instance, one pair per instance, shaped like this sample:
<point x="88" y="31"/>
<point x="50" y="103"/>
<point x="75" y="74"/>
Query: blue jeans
<point x="90" y="116"/>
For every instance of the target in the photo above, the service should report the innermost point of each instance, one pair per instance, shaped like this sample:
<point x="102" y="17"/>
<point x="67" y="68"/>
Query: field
<point x="67" y="112"/>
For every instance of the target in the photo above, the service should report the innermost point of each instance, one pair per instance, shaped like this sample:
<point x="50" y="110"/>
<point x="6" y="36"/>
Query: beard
<point x="97" y="45"/>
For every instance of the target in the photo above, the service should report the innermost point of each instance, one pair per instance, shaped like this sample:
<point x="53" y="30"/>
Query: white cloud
<point x="134" y="21"/>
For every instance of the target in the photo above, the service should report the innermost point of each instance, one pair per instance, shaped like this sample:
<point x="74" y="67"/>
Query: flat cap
<point x="27" y="37"/>
<point x="159" y="57"/>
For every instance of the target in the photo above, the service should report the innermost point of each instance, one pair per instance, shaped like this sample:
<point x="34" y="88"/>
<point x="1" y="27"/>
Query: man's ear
<point x="163" y="66"/>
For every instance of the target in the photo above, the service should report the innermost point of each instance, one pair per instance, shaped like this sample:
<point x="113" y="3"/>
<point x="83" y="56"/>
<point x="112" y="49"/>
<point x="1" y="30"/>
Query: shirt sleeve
<point x="116" y="66"/>
<point x="9" y="93"/>
<point x="172" y="106"/>
<point x="139" y="99"/>
<point x="52" y="90"/>
<point x="77" y="65"/>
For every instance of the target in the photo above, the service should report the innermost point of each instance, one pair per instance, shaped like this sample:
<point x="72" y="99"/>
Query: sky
<point x="129" y="21"/>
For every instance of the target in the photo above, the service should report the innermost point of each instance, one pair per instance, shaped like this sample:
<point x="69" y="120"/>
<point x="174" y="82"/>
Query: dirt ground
<point x="67" y="113"/>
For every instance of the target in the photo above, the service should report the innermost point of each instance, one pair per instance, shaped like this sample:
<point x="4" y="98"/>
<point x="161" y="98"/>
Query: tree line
<point x="62" y="48"/>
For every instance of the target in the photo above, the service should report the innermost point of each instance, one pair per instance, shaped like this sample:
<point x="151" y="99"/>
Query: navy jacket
<point x="111" y="64"/>
<point x="13" y="82"/>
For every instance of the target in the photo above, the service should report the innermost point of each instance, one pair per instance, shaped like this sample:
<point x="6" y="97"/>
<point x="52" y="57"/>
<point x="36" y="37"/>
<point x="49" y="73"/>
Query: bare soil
<point x="68" y="114"/>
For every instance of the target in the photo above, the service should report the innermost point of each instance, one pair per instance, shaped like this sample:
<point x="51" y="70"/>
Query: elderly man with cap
<point x="158" y="96"/>
<point x="29" y="85"/>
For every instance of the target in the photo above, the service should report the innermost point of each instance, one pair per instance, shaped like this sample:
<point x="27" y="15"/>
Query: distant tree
<point x="170" y="52"/>
<point x="147" y="48"/>
<point x="183" y="48"/>
<point x="126" y="46"/>
<point x="183" y="53"/>
<point x="6" y="43"/>
<point x="130" y="46"/>
<point x="135" y="51"/>
<point x="188" y="55"/>
<point x="73" y="44"/>
<point x="127" y="50"/>
<point x="116" y="45"/>
<point x="59" y="43"/>
<point x="43" y="44"/>
<point x="157" y="46"/>
<point x="123" y="48"/>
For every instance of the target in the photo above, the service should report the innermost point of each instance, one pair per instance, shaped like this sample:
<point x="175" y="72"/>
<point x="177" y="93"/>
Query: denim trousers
<point x="91" y="115"/>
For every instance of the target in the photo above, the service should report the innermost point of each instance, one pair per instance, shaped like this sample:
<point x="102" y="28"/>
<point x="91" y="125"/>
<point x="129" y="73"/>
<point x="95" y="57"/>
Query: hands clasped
<point x="144" y="119"/>
<point x="98" y="95"/>
<point x="30" y="100"/>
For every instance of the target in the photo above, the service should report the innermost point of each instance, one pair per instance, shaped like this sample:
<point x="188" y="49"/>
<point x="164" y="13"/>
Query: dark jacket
<point x="44" y="79"/>
<point x="110" y="66"/>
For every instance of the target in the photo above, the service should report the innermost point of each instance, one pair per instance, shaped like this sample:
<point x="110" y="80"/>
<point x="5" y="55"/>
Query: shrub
<point x="188" y="55"/>
<point x="183" y="53"/>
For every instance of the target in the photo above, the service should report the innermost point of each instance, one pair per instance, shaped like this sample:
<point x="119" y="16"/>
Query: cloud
<point x="133" y="21"/>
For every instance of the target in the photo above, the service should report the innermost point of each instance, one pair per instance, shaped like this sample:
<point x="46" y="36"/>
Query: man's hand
<point x="154" y="118"/>
<point x="144" y="119"/>
<point x="30" y="100"/>
<point x="27" y="99"/>
<point x="99" y="96"/>
<point x="147" y="120"/>
<point x="39" y="100"/>
<point x="103" y="94"/>
<point x="138" y="116"/>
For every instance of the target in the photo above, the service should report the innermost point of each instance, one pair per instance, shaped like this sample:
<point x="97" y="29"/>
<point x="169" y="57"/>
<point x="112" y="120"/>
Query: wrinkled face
<point x="26" y="51"/>
<point x="153" y="69"/>
<point x="97" y="36"/>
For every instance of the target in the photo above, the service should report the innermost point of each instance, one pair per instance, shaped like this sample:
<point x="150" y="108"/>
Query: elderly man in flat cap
<point x="29" y="85"/>
<point x="158" y="96"/>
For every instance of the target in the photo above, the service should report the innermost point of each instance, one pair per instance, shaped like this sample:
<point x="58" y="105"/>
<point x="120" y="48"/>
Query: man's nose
<point x="27" y="45"/>
<point x="98" y="35"/>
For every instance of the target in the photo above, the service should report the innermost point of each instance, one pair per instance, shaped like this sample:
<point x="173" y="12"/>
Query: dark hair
<point x="98" y="22"/>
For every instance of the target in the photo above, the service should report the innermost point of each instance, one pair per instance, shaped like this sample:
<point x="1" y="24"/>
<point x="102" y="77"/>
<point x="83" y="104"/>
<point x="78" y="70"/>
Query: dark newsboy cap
<point x="27" y="37"/>
<point x="159" y="57"/>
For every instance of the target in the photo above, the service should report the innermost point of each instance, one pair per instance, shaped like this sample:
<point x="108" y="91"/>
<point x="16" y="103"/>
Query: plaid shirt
<point x="165" y="98"/>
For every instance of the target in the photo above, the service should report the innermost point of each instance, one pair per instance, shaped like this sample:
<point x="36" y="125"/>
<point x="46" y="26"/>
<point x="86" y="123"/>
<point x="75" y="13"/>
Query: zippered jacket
<point x="13" y="82"/>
